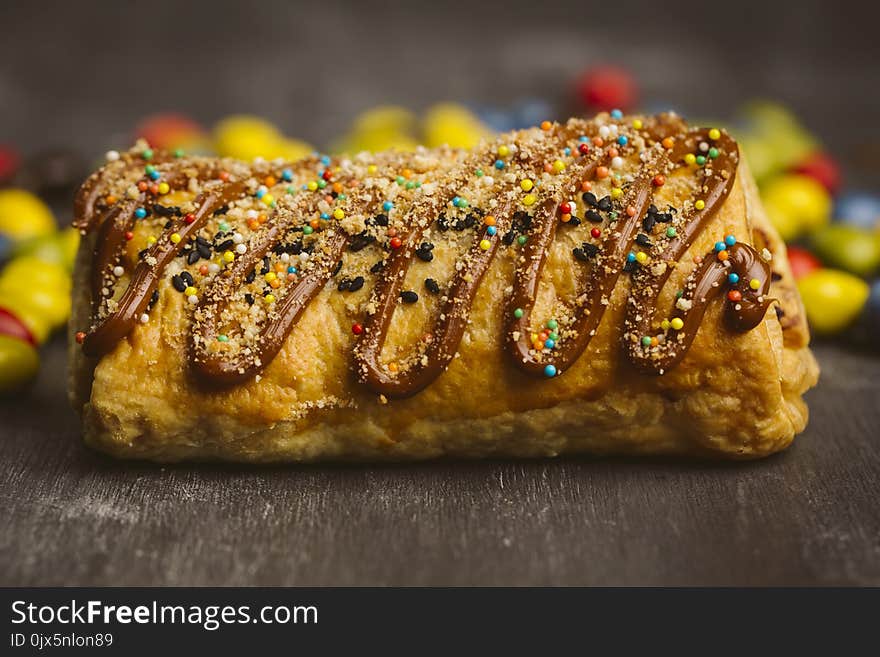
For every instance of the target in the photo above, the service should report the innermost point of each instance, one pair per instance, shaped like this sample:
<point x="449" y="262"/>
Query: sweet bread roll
<point x="604" y="286"/>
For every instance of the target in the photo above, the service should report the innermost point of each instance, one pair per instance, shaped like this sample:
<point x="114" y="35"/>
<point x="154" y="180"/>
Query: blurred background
<point x="797" y="83"/>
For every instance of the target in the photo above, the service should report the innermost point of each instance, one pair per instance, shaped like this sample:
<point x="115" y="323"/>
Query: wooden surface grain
<point x="807" y="516"/>
<point x="82" y="74"/>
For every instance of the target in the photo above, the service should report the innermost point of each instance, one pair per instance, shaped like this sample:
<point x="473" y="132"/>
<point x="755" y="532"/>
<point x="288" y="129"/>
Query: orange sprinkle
<point x="586" y="186"/>
<point x="612" y="152"/>
<point x="291" y="277"/>
<point x="546" y="125"/>
<point x="275" y="284"/>
<point x="407" y="173"/>
<point x="154" y="189"/>
<point x="262" y="218"/>
<point x="253" y="224"/>
<point x="328" y="198"/>
<point x="110" y="199"/>
<point x="602" y="172"/>
<point x="723" y="255"/>
<point x="392" y="367"/>
<point x="314" y="223"/>
<point x="142" y="185"/>
<point x="598" y="141"/>
<point x="279" y="266"/>
<point x="565" y="218"/>
<point x="658" y="180"/>
<point x="224" y="176"/>
<point x="391" y="232"/>
<point x="548" y="168"/>
<point x="489" y="221"/>
<point x="269" y="181"/>
<point x="631" y="210"/>
<point x="538" y="345"/>
<point x="337" y="187"/>
<point x="203" y="270"/>
<point x="669" y="142"/>
<point x="654" y="341"/>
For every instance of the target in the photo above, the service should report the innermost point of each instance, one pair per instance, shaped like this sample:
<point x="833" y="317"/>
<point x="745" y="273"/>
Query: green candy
<point x="19" y="363"/>
<point x="832" y="298"/>
<point x="848" y="247"/>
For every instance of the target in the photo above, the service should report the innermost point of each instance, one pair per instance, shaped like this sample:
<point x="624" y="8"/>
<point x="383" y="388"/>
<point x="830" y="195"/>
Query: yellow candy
<point x="31" y="316"/>
<point x="526" y="185"/>
<point x="189" y="291"/>
<point x="690" y="158"/>
<point x="38" y="304"/>
<point x="559" y="166"/>
<point x="485" y="245"/>
<point x="754" y="284"/>
<point x="24" y="216"/>
<point x="796" y="204"/>
<point x="19" y="363"/>
<point x="338" y="213"/>
<point x="529" y="199"/>
<point x="27" y="272"/>
<point x="832" y="298"/>
<point x="699" y="205"/>
<point x="503" y="151"/>
<point x="164" y="188"/>
<point x="616" y="192"/>
<point x="245" y="137"/>
<point x="664" y="324"/>
<point x="270" y="298"/>
<point x="714" y="134"/>
<point x="642" y="257"/>
<point x="453" y="125"/>
<point x="228" y="256"/>
<point x="637" y="124"/>
<point x="677" y="323"/>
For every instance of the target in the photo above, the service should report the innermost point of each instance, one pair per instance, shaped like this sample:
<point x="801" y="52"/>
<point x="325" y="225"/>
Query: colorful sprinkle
<point x="550" y="371"/>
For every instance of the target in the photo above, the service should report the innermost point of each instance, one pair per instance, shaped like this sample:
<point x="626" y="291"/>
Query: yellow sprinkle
<point x="690" y="158"/>
<point x="503" y="151"/>
<point x="529" y="199"/>
<point x="164" y="188"/>
<point x="642" y="257"/>
<point x="616" y="192"/>
<point x="637" y="124"/>
<point x="338" y="213"/>
<point x="228" y="256"/>
<point x="151" y="240"/>
<point x="271" y="276"/>
<point x="485" y="245"/>
<point x="526" y="184"/>
<point x="312" y="186"/>
<point x="754" y="283"/>
<point x="664" y="324"/>
<point x="676" y="323"/>
<point x="699" y="205"/>
<point x="714" y="134"/>
<point x="558" y="166"/>
<point x="371" y="168"/>
<point x="190" y="290"/>
<point x="270" y="298"/>
<point x="268" y="199"/>
<point x="175" y="237"/>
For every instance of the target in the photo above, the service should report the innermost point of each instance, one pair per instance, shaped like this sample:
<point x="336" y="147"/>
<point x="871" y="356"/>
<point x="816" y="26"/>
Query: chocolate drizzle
<point x="649" y="348"/>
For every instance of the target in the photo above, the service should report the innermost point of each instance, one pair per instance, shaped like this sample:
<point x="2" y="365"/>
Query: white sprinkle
<point x="285" y="257"/>
<point x="118" y="271"/>
<point x="617" y="162"/>
<point x="604" y="132"/>
<point x="252" y="214"/>
<point x="241" y="248"/>
<point x="704" y="146"/>
<point x="192" y="298"/>
<point x="145" y="318"/>
<point x="213" y="268"/>
<point x="238" y="238"/>
<point x="112" y="156"/>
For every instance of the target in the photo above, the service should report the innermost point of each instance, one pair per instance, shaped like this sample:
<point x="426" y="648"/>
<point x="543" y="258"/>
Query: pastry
<point x="602" y="286"/>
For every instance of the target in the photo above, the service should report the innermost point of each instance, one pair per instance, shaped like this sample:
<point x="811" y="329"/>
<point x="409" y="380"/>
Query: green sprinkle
<point x="679" y="294"/>
<point x="322" y="184"/>
<point x="342" y="197"/>
<point x="612" y="215"/>
<point x="149" y="169"/>
<point x="518" y="313"/>
<point x="410" y="184"/>
<point x="147" y="153"/>
<point x="291" y="189"/>
<point x="179" y="152"/>
<point x="522" y="239"/>
<point x="400" y="180"/>
<point x="713" y="153"/>
<point x="307" y="230"/>
<point x="670" y="232"/>
<point x="701" y="160"/>
<point x="553" y="336"/>
<point x="479" y="173"/>
<point x="223" y="226"/>
<point x="552" y="324"/>
<point x="222" y="338"/>
<point x="646" y="340"/>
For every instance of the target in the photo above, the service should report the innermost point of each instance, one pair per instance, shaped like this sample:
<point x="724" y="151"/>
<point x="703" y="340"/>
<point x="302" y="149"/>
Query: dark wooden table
<point x="807" y="516"/>
<point x="82" y="74"/>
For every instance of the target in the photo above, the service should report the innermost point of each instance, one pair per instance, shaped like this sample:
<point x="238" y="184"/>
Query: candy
<point x="248" y="137"/>
<point x="822" y="168"/>
<point x="859" y="209"/>
<point x="773" y="139"/>
<point x="796" y="204"/>
<point x="832" y="298"/>
<point x="19" y="363"/>
<point x="452" y="125"/>
<point x="59" y="248"/>
<point x="172" y="131"/>
<point x="9" y="162"/>
<point x="12" y="326"/>
<point x="23" y="215"/>
<point x="606" y="88"/>
<point x="848" y="247"/>
<point x="802" y="262"/>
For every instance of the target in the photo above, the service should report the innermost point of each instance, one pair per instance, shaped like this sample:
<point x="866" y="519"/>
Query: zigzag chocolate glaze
<point x="233" y="338"/>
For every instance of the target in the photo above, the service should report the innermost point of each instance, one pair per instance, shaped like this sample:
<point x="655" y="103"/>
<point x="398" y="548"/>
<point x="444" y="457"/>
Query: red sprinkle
<point x="129" y="235"/>
<point x="583" y="149"/>
<point x="565" y="208"/>
<point x="658" y="181"/>
<point x="80" y="337"/>
<point x="224" y="176"/>
<point x="595" y="232"/>
<point x="735" y="296"/>
<point x="189" y="218"/>
<point x="357" y="329"/>
<point x="396" y="243"/>
<point x="327" y="175"/>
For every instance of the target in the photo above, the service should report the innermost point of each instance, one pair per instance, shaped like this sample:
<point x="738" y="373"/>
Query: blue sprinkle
<point x="387" y="205"/>
<point x="550" y="371"/>
<point x="140" y="213"/>
<point x="566" y="151"/>
<point x="261" y="193"/>
<point x="720" y="246"/>
<point x="733" y="279"/>
<point x="456" y="200"/>
<point x="583" y="138"/>
<point x="325" y="160"/>
<point x="291" y="270"/>
<point x="325" y="216"/>
<point x="730" y="240"/>
<point x="491" y="230"/>
<point x="622" y="140"/>
<point x="631" y="257"/>
<point x="287" y="175"/>
<point x="549" y="344"/>
<point x="155" y="175"/>
<point x="616" y="114"/>
<point x="499" y="164"/>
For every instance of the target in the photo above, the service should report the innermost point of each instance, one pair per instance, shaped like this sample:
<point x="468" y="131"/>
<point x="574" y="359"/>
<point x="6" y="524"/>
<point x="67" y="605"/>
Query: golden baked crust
<point x="734" y="394"/>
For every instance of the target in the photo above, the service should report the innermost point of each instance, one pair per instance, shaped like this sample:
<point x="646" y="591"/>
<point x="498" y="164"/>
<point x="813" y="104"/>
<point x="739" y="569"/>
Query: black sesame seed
<point x="590" y="249"/>
<point x="187" y="278"/>
<point x="193" y="257"/>
<point x="142" y="253"/>
<point x="165" y="211"/>
<point x="178" y="283"/>
<point x="224" y="246"/>
<point x="377" y="267"/>
<point x="204" y="251"/>
<point x="579" y="254"/>
<point x="380" y="220"/>
<point x="337" y="268"/>
<point x="426" y="246"/>
<point x="522" y="220"/>
<point x="252" y="275"/>
<point x="642" y="240"/>
<point x="432" y="286"/>
<point x="652" y="209"/>
<point x="356" y="284"/>
<point x="153" y="299"/>
<point x="360" y="241"/>
<point x="168" y="224"/>
<point x="593" y="216"/>
<point x="775" y="276"/>
<point x="267" y="265"/>
<point x="201" y="240"/>
<point x="590" y="199"/>
<point x="630" y="266"/>
<point x="508" y="238"/>
<point x="442" y="222"/>
<point x="663" y="217"/>
<point x="409" y="296"/>
<point x="249" y="298"/>
<point x="648" y="223"/>
<point x="425" y="256"/>
<point x="342" y="286"/>
<point x="574" y="221"/>
<point x="223" y="209"/>
<point x="605" y="203"/>
<point x="470" y="220"/>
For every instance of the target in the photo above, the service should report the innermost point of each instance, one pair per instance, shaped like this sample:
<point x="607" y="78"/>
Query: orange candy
<point x="602" y="172"/>
<point x="586" y="186"/>
<point x="669" y="142"/>
<point x="631" y="210"/>
<point x="489" y="221"/>
<point x="723" y="255"/>
<point x="314" y="223"/>
<point x="546" y="125"/>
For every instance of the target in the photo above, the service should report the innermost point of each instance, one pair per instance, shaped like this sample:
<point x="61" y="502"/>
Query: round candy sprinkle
<point x="630" y="257"/>
<point x="140" y="213"/>
<point x="357" y="329"/>
<point x="518" y="313"/>
<point x="646" y="340"/>
<point x="175" y="238"/>
<point x="526" y="185"/>
<point x="550" y="371"/>
<point x="491" y="230"/>
<point x="735" y="296"/>
<point x="720" y="246"/>
<point x="754" y="284"/>
<point x="733" y="278"/>
<point x="338" y="213"/>
<point x="713" y="153"/>
<point x="714" y="134"/>
<point x="641" y="257"/>
<point x="670" y="232"/>
<point x="485" y="245"/>
<point x="676" y="323"/>
<point x="730" y="240"/>
<point x="529" y="199"/>
<point x="690" y="158"/>
<point x="522" y="239"/>
<point x="699" y="205"/>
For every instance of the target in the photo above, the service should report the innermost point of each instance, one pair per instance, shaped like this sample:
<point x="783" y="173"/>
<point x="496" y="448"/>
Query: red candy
<point x="823" y="169"/>
<point x="357" y="329"/>
<point x="802" y="261"/>
<point x="595" y="232"/>
<point x="396" y="243"/>
<point x="735" y="296"/>
<point x="565" y="208"/>
<point x="583" y="149"/>
<point x="607" y="87"/>
<point x="9" y="162"/>
<point x="13" y="327"/>
<point x="169" y="130"/>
